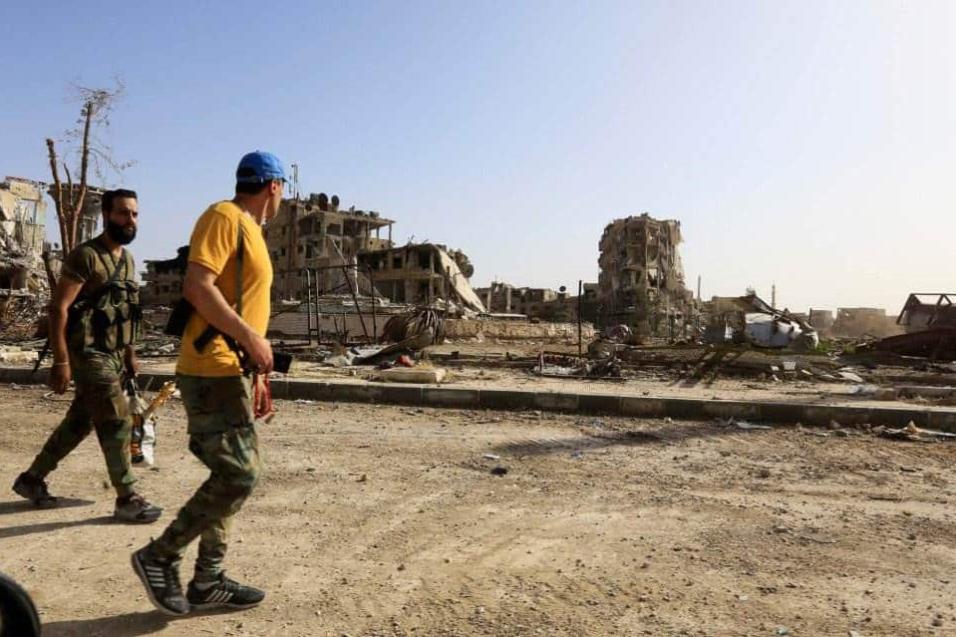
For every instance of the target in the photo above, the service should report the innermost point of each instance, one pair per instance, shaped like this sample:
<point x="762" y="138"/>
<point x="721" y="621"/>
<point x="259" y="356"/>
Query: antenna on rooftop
<point x="295" y="181"/>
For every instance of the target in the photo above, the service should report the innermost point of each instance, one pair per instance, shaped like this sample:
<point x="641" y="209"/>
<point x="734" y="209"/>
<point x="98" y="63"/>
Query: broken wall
<point x="22" y="236"/>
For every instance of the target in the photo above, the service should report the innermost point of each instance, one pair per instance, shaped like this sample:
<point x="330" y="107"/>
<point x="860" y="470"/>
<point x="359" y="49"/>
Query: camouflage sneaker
<point x="222" y="593"/>
<point x="161" y="579"/>
<point x="34" y="489"/>
<point x="134" y="508"/>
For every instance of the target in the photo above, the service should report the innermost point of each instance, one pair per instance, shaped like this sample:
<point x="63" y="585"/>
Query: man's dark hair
<point x="110" y="195"/>
<point x="244" y="188"/>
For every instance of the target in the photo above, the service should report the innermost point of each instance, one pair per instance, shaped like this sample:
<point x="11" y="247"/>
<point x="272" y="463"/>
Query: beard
<point x="122" y="235"/>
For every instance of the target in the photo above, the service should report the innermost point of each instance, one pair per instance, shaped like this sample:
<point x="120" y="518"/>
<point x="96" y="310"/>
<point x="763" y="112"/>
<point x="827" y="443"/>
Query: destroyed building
<point x="315" y="233"/>
<point x="542" y="304"/>
<point x="22" y="237"/>
<point x="641" y="280"/>
<point x="864" y="321"/>
<point x="504" y="298"/>
<point x="821" y="320"/>
<point x="923" y="311"/>
<point x="422" y="274"/>
<point x="163" y="280"/>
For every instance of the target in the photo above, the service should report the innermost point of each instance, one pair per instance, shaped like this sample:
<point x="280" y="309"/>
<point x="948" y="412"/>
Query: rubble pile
<point x="22" y="317"/>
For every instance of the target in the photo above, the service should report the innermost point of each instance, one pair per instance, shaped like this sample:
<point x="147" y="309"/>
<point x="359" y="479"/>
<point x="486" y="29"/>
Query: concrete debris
<point x="15" y="355"/>
<point x="743" y="424"/>
<point x="429" y="375"/>
<point x="913" y="433"/>
<point x="849" y="376"/>
<point x="566" y="367"/>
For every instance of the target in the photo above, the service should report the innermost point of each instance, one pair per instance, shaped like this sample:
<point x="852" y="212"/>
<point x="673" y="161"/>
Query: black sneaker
<point x="135" y="508"/>
<point x="34" y="489"/>
<point x="224" y="593"/>
<point x="161" y="579"/>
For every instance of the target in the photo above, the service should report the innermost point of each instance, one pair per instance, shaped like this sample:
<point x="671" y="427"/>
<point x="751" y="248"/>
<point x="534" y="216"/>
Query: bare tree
<point x="91" y="152"/>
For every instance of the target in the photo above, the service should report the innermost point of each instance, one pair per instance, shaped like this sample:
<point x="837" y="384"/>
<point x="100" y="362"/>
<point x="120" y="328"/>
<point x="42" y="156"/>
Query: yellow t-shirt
<point x="213" y="246"/>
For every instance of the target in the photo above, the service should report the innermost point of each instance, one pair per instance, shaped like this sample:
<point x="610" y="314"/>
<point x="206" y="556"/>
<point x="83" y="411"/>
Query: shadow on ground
<point x="591" y="441"/>
<point x="46" y="527"/>
<point x="128" y="625"/>
<point x="23" y="506"/>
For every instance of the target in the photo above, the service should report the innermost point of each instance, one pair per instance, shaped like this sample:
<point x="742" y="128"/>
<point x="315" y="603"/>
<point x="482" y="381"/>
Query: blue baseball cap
<point x="258" y="167"/>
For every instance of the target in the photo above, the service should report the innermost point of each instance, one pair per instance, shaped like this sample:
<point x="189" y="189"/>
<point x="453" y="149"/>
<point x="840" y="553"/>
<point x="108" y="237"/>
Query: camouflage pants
<point x="99" y="403"/>
<point x="222" y="435"/>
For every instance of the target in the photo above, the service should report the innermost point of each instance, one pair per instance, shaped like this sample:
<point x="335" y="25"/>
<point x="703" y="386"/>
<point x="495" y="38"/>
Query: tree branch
<point x="57" y="188"/>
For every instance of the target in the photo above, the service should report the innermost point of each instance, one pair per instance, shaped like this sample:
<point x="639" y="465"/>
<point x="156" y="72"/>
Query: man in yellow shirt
<point x="228" y="281"/>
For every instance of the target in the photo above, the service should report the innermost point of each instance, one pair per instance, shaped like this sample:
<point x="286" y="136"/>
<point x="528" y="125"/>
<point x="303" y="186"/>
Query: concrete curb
<point x="609" y="404"/>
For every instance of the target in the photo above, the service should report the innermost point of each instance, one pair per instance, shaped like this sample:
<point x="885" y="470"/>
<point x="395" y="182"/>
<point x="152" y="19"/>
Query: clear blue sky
<point x="811" y="144"/>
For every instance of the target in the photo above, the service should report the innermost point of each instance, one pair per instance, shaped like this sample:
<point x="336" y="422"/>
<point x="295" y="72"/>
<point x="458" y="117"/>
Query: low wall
<point x="456" y="329"/>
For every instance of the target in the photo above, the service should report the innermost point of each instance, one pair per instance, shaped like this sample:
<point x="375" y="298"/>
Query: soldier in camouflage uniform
<point x="228" y="280"/>
<point x="94" y="320"/>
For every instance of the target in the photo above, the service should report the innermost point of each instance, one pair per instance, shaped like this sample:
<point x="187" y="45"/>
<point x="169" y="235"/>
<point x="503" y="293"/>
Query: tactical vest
<point x="108" y="319"/>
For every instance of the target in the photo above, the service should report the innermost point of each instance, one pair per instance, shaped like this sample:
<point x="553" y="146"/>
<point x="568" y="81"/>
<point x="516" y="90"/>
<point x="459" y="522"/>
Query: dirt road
<point x="388" y="521"/>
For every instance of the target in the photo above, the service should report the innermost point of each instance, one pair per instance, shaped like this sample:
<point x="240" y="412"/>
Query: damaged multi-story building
<point x="163" y="279"/>
<point x="319" y="249"/>
<point x="540" y="304"/>
<point x="504" y="298"/>
<point x="316" y="234"/>
<point x="641" y="280"/>
<point x="22" y="237"/>
<point x="422" y="274"/>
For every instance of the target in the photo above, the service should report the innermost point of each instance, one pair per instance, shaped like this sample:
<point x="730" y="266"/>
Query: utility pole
<point x="295" y="181"/>
<point x="773" y="295"/>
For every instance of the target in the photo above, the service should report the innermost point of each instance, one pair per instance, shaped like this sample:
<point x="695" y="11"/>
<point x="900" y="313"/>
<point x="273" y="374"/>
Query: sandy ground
<point x="377" y="520"/>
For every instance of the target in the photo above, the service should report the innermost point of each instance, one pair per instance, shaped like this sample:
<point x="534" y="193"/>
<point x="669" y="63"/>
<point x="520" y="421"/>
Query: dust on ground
<point x="382" y="520"/>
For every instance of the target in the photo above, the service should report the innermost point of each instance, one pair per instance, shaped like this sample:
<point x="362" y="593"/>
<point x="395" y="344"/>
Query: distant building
<point x="87" y="225"/>
<point x="421" y="274"/>
<point x="821" y="320"/>
<point x="163" y="280"/>
<point x="864" y="321"/>
<point x="641" y="280"/>
<point x="923" y="311"/>
<point x="22" y="235"/>
<point x="315" y="233"/>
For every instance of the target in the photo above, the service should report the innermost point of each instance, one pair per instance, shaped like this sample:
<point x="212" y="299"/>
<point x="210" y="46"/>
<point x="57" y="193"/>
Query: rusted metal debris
<point x="938" y="344"/>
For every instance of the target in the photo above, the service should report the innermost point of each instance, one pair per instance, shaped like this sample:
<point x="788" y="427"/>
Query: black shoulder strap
<point x="211" y="332"/>
<point x="240" y="257"/>
<point x="114" y="275"/>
